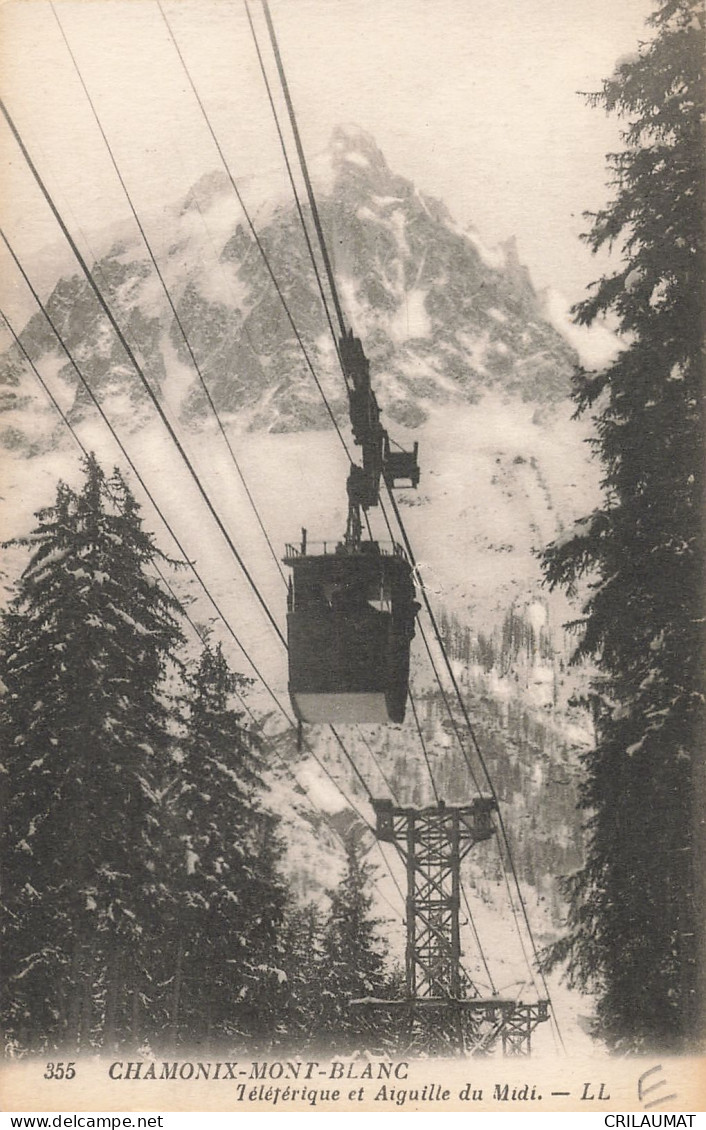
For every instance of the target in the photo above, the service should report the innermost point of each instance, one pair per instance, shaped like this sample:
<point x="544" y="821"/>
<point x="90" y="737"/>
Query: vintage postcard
<point x="351" y="653"/>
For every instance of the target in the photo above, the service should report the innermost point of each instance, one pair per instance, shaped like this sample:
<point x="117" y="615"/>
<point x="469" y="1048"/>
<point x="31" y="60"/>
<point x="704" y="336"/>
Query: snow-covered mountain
<point x="443" y="318"/>
<point x="463" y="360"/>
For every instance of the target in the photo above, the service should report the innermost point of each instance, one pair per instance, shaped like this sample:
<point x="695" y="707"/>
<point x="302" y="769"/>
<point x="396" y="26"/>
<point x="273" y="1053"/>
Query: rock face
<point x="442" y="318"/>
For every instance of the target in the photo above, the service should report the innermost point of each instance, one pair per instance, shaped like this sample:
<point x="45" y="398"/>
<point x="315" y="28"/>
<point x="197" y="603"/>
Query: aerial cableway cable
<point x="45" y="386"/>
<point x="310" y="250"/>
<point x="131" y="356"/>
<point x="481" y="759"/>
<point x="178" y="319"/>
<point x="253" y="230"/>
<point x="167" y="294"/>
<point x="479" y="754"/>
<point x="447" y="704"/>
<point x="196" y="630"/>
<point x="471" y="731"/>
<point x="297" y="201"/>
<point x="351" y="804"/>
<point x="152" y="397"/>
<point x="96" y="403"/>
<point x="474" y="931"/>
<point x="304" y="167"/>
<point x="85" y="452"/>
<point x="423" y="744"/>
<point x="281" y="297"/>
<point x="370" y="750"/>
<point x="138" y="369"/>
<point x="200" y="635"/>
<point x="221" y="615"/>
<point x="437" y="633"/>
<point x="334" y="293"/>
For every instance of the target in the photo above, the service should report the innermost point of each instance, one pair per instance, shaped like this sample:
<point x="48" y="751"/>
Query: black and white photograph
<point x="352" y="589"/>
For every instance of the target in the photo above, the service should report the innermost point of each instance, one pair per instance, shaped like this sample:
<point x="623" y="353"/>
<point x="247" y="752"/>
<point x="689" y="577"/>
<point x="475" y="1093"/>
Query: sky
<point x="478" y="103"/>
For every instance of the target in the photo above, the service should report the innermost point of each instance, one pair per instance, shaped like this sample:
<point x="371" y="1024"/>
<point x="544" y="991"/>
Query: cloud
<point x="596" y="345"/>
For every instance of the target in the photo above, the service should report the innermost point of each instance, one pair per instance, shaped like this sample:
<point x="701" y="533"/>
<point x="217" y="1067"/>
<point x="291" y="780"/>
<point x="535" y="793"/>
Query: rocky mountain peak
<point x="442" y="318"/>
<point x="358" y="162"/>
<point x="206" y="189"/>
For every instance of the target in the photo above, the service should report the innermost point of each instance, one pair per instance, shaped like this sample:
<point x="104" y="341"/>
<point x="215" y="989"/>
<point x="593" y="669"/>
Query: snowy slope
<point x="465" y="364"/>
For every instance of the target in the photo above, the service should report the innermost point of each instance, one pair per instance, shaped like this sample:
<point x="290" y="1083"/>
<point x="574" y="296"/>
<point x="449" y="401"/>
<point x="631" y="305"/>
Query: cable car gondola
<point x="350" y="621"/>
<point x="351" y="611"/>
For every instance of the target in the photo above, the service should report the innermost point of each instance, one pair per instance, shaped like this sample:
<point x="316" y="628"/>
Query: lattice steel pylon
<point x="442" y="1007"/>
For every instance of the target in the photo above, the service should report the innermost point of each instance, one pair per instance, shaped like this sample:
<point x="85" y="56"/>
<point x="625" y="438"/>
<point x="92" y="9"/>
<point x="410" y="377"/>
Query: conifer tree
<point x="306" y="976"/>
<point x="354" y="956"/>
<point x="85" y="646"/>
<point x="230" y="898"/>
<point x="634" y="920"/>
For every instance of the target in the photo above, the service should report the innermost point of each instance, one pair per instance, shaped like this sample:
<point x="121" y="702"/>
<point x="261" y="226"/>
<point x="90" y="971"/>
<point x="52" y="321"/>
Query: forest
<point x="143" y="899"/>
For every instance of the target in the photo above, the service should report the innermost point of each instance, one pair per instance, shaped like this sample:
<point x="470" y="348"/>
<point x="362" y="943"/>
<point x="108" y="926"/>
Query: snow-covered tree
<point x="86" y="644"/>
<point x="229" y="898"/>
<point x="306" y="975"/>
<point x="354" y="956"/>
<point x="634" y="918"/>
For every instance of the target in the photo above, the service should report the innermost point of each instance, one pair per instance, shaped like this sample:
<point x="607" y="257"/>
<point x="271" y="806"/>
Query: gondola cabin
<point x="350" y="622"/>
